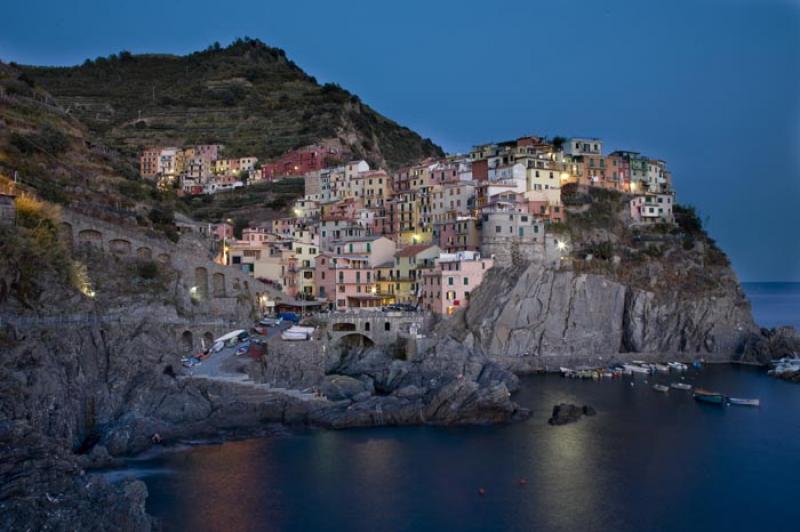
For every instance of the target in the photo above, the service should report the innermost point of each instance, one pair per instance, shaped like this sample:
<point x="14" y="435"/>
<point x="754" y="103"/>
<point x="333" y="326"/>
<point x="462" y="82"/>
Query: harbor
<point x="613" y="471"/>
<point x="669" y="376"/>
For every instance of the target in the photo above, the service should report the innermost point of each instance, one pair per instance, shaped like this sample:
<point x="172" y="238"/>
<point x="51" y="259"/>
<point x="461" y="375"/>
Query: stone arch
<point x="356" y="340"/>
<point x="187" y="340"/>
<point x="65" y="232"/>
<point x="344" y="326"/>
<point x="201" y="282"/>
<point x="218" y="283"/>
<point x="119" y="246"/>
<point x="164" y="258"/>
<point x="91" y="238"/>
<point x="208" y="339"/>
<point x="144" y="253"/>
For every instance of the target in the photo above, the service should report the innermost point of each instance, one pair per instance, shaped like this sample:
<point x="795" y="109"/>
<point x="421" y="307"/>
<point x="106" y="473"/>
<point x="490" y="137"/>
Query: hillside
<point x="56" y="156"/>
<point x="248" y="96"/>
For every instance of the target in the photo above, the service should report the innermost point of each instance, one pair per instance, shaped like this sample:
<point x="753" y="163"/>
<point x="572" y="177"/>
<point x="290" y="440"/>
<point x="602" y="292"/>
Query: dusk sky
<point x="711" y="86"/>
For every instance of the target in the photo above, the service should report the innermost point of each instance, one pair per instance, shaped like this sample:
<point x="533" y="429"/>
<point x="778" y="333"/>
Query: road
<point x="213" y="365"/>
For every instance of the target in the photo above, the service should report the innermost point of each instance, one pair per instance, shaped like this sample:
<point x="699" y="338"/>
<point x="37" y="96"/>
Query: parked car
<point x="271" y="322"/>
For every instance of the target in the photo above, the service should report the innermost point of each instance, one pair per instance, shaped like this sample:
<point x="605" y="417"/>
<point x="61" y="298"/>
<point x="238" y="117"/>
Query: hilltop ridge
<point x="249" y="96"/>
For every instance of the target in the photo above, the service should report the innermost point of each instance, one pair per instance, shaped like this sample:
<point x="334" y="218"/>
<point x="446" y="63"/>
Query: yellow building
<point x="408" y="265"/>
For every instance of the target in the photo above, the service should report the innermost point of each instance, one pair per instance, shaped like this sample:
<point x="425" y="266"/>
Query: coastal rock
<point x="339" y="387"/>
<point x="769" y="345"/>
<point x="565" y="413"/>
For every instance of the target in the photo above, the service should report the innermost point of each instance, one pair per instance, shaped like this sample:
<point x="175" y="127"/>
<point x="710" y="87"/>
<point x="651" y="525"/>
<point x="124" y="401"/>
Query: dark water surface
<point x="647" y="461"/>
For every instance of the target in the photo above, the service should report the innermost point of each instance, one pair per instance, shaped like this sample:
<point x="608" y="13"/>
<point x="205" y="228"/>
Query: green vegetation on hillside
<point x="664" y="257"/>
<point x="248" y="96"/>
<point x="256" y="203"/>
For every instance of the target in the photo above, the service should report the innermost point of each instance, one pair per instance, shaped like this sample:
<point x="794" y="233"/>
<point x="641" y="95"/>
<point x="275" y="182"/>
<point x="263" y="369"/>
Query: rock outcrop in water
<point x="566" y="413"/>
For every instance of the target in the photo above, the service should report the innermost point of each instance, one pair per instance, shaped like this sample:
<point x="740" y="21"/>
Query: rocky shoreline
<point x="83" y="396"/>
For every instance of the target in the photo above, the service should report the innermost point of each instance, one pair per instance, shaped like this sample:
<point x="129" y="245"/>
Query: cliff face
<point x="532" y="317"/>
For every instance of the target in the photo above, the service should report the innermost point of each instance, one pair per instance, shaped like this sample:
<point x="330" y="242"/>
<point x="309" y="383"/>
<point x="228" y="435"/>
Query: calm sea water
<point x="775" y="304"/>
<point x="647" y="461"/>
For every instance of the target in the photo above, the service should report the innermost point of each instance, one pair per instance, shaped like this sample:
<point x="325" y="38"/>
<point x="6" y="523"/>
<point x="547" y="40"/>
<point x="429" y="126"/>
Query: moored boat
<point x="661" y="367"/>
<point x="708" y="397"/>
<point x="680" y="386"/>
<point x="661" y="388"/>
<point x="633" y="368"/>
<point x="677" y="366"/>
<point x="744" y="402"/>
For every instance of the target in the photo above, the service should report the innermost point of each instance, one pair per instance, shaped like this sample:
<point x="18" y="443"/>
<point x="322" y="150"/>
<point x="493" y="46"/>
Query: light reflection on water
<point x="646" y="461"/>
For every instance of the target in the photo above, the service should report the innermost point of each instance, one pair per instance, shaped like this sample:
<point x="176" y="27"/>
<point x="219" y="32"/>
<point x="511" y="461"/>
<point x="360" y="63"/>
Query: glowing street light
<point x="561" y="245"/>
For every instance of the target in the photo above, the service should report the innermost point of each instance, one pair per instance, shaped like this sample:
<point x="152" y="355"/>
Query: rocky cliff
<point x="534" y="317"/>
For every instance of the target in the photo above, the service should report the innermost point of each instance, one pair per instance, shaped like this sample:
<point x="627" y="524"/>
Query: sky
<point x="711" y="86"/>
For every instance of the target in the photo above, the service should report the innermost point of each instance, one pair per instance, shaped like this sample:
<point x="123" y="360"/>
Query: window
<point x="387" y="326"/>
<point x="450" y="281"/>
<point x="322" y="275"/>
<point x="466" y="281"/>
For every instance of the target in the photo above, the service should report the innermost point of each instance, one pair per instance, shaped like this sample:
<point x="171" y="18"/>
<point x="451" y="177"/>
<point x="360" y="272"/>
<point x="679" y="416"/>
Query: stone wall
<point x="209" y="288"/>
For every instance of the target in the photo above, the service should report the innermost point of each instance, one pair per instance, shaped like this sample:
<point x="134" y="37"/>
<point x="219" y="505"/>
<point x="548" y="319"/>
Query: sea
<point x="646" y="461"/>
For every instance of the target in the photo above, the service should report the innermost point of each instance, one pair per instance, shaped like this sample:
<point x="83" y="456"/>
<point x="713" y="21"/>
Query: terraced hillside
<point x="248" y="96"/>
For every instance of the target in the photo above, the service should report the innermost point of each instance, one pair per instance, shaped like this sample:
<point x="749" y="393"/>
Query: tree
<point x="239" y="224"/>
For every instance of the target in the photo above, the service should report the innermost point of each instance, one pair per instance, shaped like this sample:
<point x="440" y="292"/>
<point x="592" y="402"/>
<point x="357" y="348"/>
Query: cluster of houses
<point x="427" y="234"/>
<point x="202" y="168"/>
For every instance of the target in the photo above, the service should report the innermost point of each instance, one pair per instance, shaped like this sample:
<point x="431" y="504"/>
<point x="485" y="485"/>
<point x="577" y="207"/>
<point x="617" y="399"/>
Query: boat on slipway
<point x="708" y="397"/>
<point x="661" y="388"/>
<point x="680" y="386"/>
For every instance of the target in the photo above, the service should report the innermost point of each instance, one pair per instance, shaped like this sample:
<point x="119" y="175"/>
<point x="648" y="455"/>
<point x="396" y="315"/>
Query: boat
<point x="661" y="388"/>
<point x="297" y="333"/>
<point x="633" y="368"/>
<point x="744" y="402"/>
<point x="680" y="386"/>
<point x="677" y="366"/>
<point x="708" y="397"/>
<point x="661" y="367"/>
<point x="697" y="364"/>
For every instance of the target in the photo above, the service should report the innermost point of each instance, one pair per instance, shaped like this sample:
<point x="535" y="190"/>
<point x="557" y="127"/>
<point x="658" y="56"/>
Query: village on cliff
<point x="422" y="237"/>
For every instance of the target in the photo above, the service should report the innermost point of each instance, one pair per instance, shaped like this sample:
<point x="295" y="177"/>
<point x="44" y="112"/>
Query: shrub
<point x="147" y="269"/>
<point x="602" y="251"/>
<point x="687" y="219"/>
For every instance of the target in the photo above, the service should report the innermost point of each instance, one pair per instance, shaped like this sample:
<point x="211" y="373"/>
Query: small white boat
<point x="662" y="368"/>
<point x="677" y="366"/>
<point x="661" y="388"/>
<point x="744" y="402"/>
<point x="297" y="333"/>
<point x="633" y="368"/>
<point x="680" y="386"/>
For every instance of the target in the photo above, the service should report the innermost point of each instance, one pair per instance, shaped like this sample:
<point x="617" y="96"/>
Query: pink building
<point x="446" y="287"/>
<point x="460" y="234"/>
<point x="346" y="277"/>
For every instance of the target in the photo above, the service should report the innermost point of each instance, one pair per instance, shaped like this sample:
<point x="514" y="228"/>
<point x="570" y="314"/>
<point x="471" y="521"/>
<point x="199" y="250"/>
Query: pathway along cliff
<point x="76" y="396"/>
